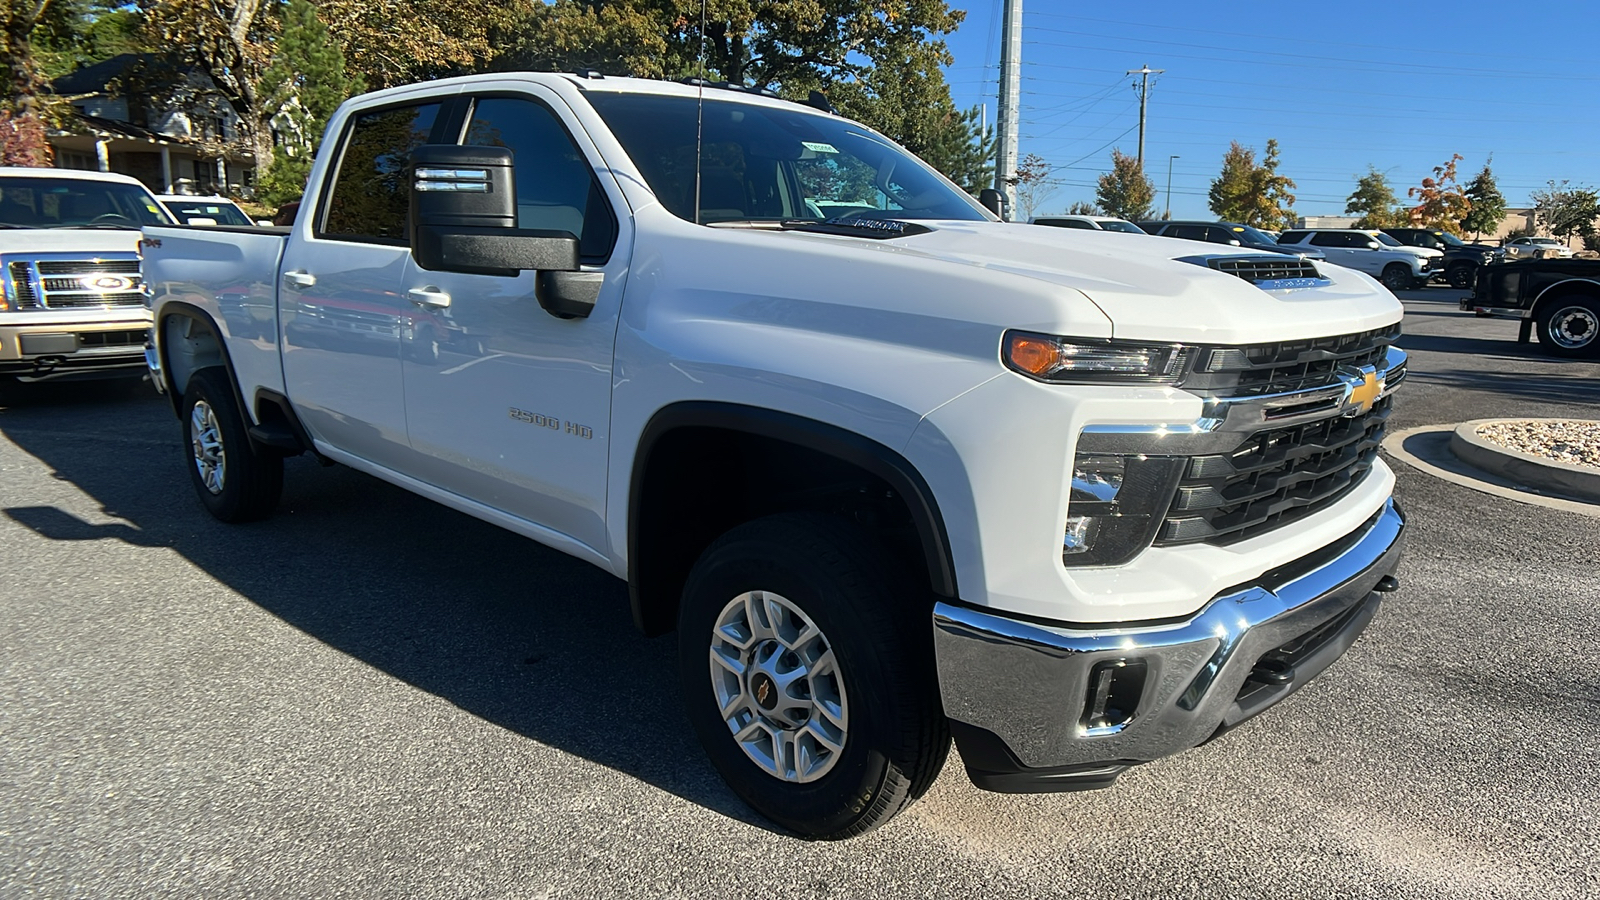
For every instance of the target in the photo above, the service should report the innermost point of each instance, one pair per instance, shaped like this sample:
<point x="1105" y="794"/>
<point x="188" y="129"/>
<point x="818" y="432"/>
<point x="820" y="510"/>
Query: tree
<point x="1564" y="210"/>
<point x="1374" y="200"/>
<point x="22" y="140"/>
<point x="391" y="42"/>
<point x="1032" y="189"/>
<point x="1488" y="204"/>
<point x="1250" y="193"/>
<point x="305" y="83"/>
<point x="1083" y="208"/>
<point x="1125" y="192"/>
<point x="1441" y="203"/>
<point x="227" y="40"/>
<point x="958" y="147"/>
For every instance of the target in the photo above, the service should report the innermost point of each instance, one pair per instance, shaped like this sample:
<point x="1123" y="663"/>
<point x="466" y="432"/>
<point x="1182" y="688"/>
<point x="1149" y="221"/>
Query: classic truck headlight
<point x="1064" y="360"/>
<point x="1116" y="506"/>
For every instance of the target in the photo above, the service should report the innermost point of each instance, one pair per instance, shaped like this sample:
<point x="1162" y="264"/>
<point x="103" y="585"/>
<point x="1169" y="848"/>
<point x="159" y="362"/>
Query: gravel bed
<point x="1575" y="443"/>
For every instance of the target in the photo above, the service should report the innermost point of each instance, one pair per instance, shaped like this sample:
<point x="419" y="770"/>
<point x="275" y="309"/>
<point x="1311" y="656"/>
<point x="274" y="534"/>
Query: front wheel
<point x="1396" y="276"/>
<point x="1570" y="327"/>
<point x="807" y="671"/>
<point x="1460" y="276"/>
<point x="234" y="481"/>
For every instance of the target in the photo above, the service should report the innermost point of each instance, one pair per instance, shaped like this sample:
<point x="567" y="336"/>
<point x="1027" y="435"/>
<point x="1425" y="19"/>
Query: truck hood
<point x="1148" y="292"/>
<point x="88" y="241"/>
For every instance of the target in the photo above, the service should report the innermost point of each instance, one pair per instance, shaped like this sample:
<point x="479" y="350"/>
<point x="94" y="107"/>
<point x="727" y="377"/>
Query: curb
<point x="1426" y="448"/>
<point x="1581" y="482"/>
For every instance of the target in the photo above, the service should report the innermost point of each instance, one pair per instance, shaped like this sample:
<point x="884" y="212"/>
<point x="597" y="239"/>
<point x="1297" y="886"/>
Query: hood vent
<point x="1270" y="271"/>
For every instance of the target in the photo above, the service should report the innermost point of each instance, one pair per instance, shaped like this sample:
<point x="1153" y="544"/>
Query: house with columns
<point x="158" y="121"/>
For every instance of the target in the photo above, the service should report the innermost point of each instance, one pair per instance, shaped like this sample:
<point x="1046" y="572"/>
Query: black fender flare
<point x="831" y="440"/>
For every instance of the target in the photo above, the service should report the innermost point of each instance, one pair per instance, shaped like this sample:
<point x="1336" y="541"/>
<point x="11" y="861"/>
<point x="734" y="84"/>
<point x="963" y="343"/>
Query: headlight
<point x="1116" y="506"/>
<point x="1060" y="360"/>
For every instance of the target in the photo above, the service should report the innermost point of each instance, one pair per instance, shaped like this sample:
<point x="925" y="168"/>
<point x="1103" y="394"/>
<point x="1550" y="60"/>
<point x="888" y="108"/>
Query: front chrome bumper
<point x="1027" y="700"/>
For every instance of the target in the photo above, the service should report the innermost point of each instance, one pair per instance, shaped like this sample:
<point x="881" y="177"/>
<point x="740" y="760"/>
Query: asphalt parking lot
<point x="372" y="696"/>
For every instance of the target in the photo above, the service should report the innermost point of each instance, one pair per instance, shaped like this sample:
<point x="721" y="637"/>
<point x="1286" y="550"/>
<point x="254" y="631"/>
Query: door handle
<point x="299" y="279"/>
<point x="429" y="296"/>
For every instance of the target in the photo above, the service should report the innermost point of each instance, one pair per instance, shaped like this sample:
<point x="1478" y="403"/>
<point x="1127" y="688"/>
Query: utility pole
<point x="1144" y="96"/>
<point x="1005" y="157"/>
<point x="1169" y="184"/>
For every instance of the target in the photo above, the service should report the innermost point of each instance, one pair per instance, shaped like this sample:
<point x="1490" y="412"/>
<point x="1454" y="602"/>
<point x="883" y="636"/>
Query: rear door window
<point x="369" y="197"/>
<point x="1187" y="232"/>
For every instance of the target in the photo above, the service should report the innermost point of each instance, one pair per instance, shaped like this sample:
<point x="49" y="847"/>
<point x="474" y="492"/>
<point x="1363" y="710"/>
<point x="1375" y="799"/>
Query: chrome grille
<point x="1276" y="476"/>
<point x="77" y="283"/>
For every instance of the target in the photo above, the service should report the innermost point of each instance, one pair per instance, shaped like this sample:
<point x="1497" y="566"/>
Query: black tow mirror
<point x="464" y="219"/>
<point x="993" y="201"/>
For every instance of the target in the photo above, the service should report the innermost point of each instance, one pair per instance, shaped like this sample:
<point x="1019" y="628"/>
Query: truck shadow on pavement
<point x="505" y="629"/>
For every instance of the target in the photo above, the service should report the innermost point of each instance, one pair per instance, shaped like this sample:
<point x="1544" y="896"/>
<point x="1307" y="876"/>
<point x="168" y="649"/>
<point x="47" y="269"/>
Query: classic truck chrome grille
<point x="1278" y="475"/>
<point x="75" y="283"/>
<point x="1286" y="366"/>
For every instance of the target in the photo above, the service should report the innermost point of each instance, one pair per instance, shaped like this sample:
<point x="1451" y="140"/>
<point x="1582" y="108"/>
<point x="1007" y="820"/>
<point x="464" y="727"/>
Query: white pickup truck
<point x="891" y="468"/>
<point x="73" y="303"/>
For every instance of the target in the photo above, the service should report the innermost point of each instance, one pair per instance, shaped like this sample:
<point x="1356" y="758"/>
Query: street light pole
<point x="1169" y="184"/>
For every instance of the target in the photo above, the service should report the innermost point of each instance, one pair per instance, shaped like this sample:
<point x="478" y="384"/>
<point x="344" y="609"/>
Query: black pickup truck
<point x="1461" y="259"/>
<point x="1559" y="297"/>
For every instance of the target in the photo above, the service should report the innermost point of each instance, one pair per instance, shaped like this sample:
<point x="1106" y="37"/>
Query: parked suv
<point x="1233" y="234"/>
<point x="1461" y="259"/>
<point x="1396" y="265"/>
<point x="1088" y="223"/>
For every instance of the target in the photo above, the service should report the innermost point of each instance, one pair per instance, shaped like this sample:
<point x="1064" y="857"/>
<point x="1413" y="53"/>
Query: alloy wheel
<point x="210" y="458"/>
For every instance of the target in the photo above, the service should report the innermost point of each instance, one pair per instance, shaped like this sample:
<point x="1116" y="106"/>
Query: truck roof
<point x="598" y="83"/>
<point x="81" y="174"/>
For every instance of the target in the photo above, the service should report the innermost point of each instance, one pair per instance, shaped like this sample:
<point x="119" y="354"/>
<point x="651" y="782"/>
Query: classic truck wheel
<point x="1396" y="276"/>
<point x="1570" y="326"/>
<point x="807" y="672"/>
<point x="236" y="483"/>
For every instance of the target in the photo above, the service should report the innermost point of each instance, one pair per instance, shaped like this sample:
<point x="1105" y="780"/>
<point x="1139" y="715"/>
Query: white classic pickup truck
<point x="72" y="305"/>
<point x="892" y="469"/>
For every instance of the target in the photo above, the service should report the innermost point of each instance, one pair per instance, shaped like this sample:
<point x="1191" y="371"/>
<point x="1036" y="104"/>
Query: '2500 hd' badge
<point x="554" y="423"/>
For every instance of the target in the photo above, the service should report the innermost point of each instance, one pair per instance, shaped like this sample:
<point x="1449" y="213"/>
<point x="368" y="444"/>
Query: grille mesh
<point x="1288" y="365"/>
<point x="22" y="286"/>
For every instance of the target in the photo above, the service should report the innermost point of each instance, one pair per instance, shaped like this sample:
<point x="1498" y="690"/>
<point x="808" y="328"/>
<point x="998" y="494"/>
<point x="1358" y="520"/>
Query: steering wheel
<point x="109" y="217"/>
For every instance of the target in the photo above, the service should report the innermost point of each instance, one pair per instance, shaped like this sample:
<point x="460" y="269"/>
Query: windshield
<point x="221" y="212"/>
<point x="1449" y="239"/>
<point x="760" y="163"/>
<point x="1244" y="234"/>
<point x="1115" y="225"/>
<point x="1385" y="240"/>
<point x="46" y="202"/>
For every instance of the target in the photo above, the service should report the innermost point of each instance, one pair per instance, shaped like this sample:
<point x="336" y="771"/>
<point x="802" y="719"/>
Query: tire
<point x="1460" y="276"/>
<point x="1570" y="327"/>
<point x="1396" y="276"/>
<point x="866" y="681"/>
<point x="235" y="482"/>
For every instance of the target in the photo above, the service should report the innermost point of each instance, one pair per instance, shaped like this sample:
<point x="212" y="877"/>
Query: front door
<point x="345" y="320"/>
<point x="507" y="404"/>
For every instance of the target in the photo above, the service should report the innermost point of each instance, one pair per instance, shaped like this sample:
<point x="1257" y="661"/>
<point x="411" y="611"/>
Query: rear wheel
<point x="1396" y="276"/>
<point x="234" y="481"/>
<point x="1570" y="327"/>
<point x="807" y="671"/>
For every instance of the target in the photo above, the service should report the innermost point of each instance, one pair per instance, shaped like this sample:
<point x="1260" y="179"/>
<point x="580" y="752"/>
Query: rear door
<point x="1339" y="248"/>
<point x="507" y="404"/>
<point x="344" y="319"/>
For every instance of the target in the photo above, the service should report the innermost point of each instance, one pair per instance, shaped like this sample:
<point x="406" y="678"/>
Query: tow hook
<point x="44" y="365"/>
<point x="1388" y="584"/>
<point x="1271" y="670"/>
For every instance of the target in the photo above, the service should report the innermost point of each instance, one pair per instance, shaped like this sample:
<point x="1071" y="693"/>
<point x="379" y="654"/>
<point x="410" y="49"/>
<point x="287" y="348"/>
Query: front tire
<point x="807" y="669"/>
<point x="1570" y="327"/>
<point x="235" y="481"/>
<point x="1460" y="276"/>
<point x="1396" y="276"/>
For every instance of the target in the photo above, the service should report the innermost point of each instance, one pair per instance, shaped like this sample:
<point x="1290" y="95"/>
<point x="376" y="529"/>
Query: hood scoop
<point x="1269" y="271"/>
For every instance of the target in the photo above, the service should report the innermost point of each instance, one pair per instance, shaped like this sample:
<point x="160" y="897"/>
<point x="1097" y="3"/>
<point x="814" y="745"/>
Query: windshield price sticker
<point x="819" y="147"/>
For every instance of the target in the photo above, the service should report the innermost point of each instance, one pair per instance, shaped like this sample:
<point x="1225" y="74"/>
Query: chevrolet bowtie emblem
<point x="1363" y="389"/>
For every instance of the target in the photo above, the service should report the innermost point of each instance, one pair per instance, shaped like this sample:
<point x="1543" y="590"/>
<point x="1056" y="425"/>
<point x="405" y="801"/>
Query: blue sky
<point x="1340" y="84"/>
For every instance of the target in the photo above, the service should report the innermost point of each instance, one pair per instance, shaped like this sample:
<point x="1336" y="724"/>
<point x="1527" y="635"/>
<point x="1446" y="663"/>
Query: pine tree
<point x="1488" y="204"/>
<point x="304" y="85"/>
<point x="1230" y="194"/>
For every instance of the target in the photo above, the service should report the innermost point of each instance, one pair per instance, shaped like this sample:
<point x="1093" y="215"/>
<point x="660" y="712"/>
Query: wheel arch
<point x="657" y="570"/>
<point x="1565" y="288"/>
<point x="184" y="350"/>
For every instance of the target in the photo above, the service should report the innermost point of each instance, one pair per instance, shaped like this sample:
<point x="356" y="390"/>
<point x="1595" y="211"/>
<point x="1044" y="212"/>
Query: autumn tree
<point x="1441" y="203"/>
<point x="1083" y="208"/>
<point x="1374" y="201"/>
<point x="1125" y="192"/>
<point x="228" y="41"/>
<point x="1251" y="193"/>
<point x="22" y="140"/>
<point x="1032" y="185"/>
<point x="1488" y="204"/>
<point x="1564" y="210"/>
<point x="402" y="41"/>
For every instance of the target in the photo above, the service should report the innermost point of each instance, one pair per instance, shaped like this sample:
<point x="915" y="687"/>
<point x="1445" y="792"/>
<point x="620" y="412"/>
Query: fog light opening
<point x="1115" y="689"/>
